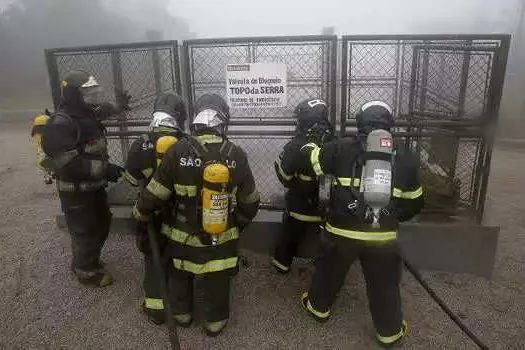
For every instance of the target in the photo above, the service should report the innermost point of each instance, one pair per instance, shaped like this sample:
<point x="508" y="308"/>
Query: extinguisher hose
<point x="443" y="306"/>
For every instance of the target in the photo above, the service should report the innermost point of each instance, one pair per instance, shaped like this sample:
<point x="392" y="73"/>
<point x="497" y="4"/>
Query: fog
<point x="27" y="27"/>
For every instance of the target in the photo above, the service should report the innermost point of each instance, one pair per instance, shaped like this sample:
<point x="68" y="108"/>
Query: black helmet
<point x="80" y="89"/>
<point x="211" y="112"/>
<point x="374" y="115"/>
<point x="173" y="105"/>
<point x="310" y="112"/>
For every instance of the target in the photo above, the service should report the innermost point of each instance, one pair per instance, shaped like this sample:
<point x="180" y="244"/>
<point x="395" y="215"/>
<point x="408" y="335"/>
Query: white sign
<point x="256" y="85"/>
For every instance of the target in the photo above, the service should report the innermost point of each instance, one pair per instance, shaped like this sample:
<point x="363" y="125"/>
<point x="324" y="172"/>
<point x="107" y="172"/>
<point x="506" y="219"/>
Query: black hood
<point x="374" y="115"/>
<point x="173" y="105"/>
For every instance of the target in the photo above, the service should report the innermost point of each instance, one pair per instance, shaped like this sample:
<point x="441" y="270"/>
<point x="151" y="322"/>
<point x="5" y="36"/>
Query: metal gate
<point x="445" y="91"/>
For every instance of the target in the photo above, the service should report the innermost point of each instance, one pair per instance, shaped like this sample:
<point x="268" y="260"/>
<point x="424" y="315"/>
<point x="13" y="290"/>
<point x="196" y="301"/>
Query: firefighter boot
<point x="154" y="310"/>
<point x="282" y="269"/>
<point x="96" y="278"/>
<point x="392" y="341"/>
<point x="317" y="315"/>
<point x="213" y="329"/>
<point x="183" y="320"/>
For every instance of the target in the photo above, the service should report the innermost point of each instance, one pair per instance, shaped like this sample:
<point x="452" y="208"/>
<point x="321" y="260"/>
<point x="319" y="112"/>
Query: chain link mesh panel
<point x="310" y="64"/>
<point x="142" y="71"/>
<point x="444" y="83"/>
<point x="430" y="79"/>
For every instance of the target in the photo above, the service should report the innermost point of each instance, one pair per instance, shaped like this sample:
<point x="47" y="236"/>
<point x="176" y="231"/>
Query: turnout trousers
<point x="293" y="232"/>
<point x="88" y="220"/>
<point x="213" y="288"/>
<point x="151" y="280"/>
<point x="381" y="266"/>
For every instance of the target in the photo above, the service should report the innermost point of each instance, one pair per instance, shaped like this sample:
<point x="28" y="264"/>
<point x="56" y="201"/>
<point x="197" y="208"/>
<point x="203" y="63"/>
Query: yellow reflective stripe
<point x="306" y="218"/>
<point x="129" y="178"/>
<point x="154" y="304"/>
<point x="314" y="311"/>
<point x="210" y="266"/>
<point x="158" y="190"/>
<point x="185" y="190"/>
<point x="305" y="177"/>
<point x="393" y="338"/>
<point x="346" y="181"/>
<point x="147" y="172"/>
<point x="281" y="171"/>
<point x="139" y="216"/>
<point x="314" y="159"/>
<point x="192" y="240"/>
<point x="251" y="198"/>
<point x="203" y="139"/>
<point x="362" y="235"/>
<point x="398" y="193"/>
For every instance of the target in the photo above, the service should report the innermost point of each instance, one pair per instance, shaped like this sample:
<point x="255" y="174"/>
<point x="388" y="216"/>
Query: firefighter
<point x="75" y="145"/>
<point x="302" y="198"/>
<point x="349" y="235"/>
<point x="166" y="128"/>
<point x="203" y="173"/>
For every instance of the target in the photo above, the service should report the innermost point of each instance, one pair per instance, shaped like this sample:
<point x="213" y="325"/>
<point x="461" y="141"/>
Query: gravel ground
<point x="43" y="307"/>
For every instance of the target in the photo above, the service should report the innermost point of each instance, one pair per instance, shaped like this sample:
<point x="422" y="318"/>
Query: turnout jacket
<point x="76" y="142"/>
<point x="142" y="157"/>
<point x="302" y="197"/>
<point x="343" y="159"/>
<point x="179" y="181"/>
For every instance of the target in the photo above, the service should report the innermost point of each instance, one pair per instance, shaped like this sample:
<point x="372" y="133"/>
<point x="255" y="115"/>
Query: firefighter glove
<point x="114" y="172"/>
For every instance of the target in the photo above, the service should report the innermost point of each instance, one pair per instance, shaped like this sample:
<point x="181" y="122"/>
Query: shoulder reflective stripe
<point x="346" y="182"/>
<point x="130" y="179"/>
<point x="186" y="190"/>
<point x="314" y="159"/>
<point x="281" y="171"/>
<point x="203" y="139"/>
<point x="153" y="304"/>
<point x="147" y="172"/>
<point x="139" y="216"/>
<point x="398" y="193"/>
<point x="192" y="240"/>
<point x="210" y="266"/>
<point x="393" y="338"/>
<point x="158" y="190"/>
<point x="305" y="218"/>
<point x="362" y="235"/>
<point x="305" y="177"/>
<point x="251" y="198"/>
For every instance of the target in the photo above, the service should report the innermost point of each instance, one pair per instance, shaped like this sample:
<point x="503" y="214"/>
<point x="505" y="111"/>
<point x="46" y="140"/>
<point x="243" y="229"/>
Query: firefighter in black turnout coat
<point x="302" y="198"/>
<point x="199" y="177"/>
<point x="145" y="155"/>
<point x="74" y="142"/>
<point x="349" y="234"/>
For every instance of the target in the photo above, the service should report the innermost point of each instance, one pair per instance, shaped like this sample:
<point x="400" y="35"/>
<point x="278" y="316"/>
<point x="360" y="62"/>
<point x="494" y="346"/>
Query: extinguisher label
<point x="217" y="212"/>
